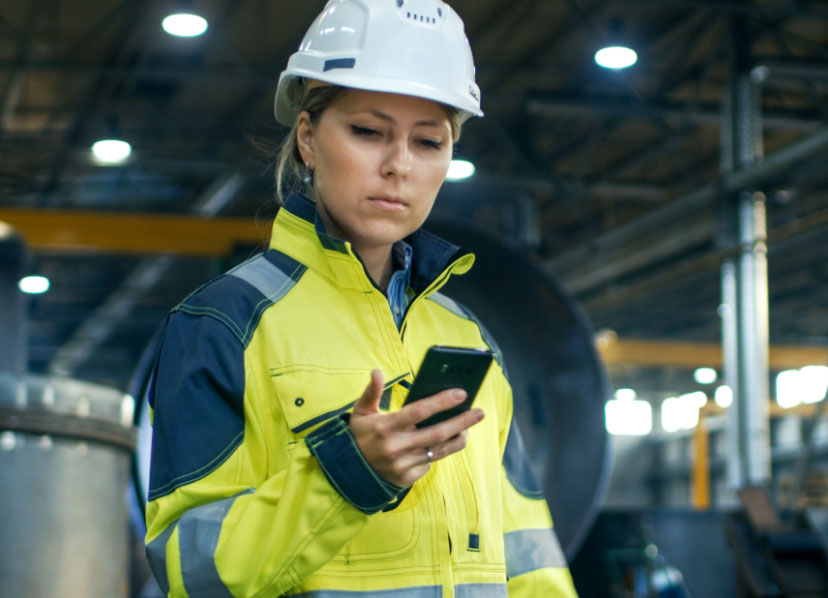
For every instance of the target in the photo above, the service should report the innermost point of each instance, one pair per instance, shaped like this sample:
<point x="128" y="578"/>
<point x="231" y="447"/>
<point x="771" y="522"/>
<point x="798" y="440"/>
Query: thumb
<point x="368" y="403"/>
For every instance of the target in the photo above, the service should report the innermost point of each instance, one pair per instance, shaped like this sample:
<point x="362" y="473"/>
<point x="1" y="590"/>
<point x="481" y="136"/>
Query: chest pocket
<point x="309" y="395"/>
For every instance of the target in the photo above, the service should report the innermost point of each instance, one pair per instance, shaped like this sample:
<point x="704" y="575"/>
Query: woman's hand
<point x="391" y="442"/>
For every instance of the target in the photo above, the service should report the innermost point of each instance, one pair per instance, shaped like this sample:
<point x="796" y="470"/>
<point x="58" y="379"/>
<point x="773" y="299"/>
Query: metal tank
<point x="65" y="456"/>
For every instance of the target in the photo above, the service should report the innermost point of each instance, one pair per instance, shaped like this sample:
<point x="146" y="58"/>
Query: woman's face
<point x="378" y="161"/>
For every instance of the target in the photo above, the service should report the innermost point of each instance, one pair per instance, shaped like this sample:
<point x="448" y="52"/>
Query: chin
<point x="385" y="236"/>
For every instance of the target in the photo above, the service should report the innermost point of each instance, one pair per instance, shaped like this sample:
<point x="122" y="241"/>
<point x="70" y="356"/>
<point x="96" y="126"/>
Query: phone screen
<point x="450" y="367"/>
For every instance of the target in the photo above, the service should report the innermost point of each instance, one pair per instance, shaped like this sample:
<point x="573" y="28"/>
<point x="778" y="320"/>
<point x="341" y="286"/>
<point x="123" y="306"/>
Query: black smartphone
<point x="449" y="367"/>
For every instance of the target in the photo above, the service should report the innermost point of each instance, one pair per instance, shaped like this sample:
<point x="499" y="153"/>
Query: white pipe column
<point x="744" y="308"/>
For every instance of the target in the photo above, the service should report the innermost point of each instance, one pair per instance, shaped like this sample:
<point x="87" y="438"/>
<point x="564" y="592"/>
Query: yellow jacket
<point x="256" y="485"/>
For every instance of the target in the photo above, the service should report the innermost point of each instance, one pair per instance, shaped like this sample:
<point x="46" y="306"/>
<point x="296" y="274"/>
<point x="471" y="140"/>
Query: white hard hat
<point x="410" y="47"/>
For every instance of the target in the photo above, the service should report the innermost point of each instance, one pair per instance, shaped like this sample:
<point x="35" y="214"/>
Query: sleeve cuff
<point x="347" y="470"/>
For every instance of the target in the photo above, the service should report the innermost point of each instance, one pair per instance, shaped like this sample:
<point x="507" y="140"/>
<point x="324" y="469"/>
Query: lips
<point x="390" y="203"/>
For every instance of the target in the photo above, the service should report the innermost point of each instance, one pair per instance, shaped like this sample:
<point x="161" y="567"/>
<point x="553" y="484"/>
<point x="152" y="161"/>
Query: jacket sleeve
<point x="217" y="523"/>
<point x="535" y="563"/>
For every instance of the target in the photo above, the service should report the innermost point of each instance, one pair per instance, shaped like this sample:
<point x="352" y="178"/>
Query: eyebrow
<point x="391" y="119"/>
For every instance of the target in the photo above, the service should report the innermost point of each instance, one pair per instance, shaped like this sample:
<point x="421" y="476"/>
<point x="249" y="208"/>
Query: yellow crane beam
<point x="650" y="353"/>
<point x="86" y="231"/>
<point x="80" y="231"/>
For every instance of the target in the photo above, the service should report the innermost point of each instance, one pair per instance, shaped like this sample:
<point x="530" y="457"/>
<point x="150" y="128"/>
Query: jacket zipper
<point x="436" y="284"/>
<point x="472" y="507"/>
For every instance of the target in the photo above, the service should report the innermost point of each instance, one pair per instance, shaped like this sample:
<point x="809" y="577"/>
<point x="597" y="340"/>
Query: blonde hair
<point x="289" y="165"/>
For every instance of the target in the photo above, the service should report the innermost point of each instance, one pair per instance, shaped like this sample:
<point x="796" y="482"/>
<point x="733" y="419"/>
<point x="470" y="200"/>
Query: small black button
<point x="299" y="401"/>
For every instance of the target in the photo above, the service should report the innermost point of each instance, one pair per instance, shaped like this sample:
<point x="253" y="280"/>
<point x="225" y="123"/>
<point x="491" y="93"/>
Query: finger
<point x="425" y="408"/>
<point x="444" y="431"/>
<point x="369" y="402"/>
<point x="449" y="447"/>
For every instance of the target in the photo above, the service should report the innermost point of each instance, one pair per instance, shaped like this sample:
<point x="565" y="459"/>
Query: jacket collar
<point x="297" y="232"/>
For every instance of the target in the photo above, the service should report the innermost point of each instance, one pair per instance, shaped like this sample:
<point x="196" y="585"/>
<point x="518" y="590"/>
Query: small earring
<point x="308" y="175"/>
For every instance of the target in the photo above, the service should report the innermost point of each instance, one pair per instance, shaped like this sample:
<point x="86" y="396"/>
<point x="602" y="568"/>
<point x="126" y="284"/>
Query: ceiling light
<point x="705" y="375"/>
<point x="34" y="285"/>
<point x="111" y="151"/>
<point x="6" y="230"/>
<point x="184" y="24"/>
<point x="723" y="396"/>
<point x="459" y="170"/>
<point x="616" y="57"/>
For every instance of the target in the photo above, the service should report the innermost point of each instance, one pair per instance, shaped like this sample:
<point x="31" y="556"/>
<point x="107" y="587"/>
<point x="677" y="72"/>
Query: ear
<point x="304" y="138"/>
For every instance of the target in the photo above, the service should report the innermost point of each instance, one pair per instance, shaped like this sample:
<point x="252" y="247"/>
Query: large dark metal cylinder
<point x="560" y="385"/>
<point x="13" y="349"/>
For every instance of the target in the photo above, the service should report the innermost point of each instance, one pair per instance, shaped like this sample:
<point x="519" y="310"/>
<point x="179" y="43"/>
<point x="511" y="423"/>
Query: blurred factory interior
<point x="656" y="234"/>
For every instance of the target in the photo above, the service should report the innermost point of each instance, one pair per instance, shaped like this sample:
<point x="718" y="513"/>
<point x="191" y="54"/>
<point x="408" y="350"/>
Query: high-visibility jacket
<point x="257" y="487"/>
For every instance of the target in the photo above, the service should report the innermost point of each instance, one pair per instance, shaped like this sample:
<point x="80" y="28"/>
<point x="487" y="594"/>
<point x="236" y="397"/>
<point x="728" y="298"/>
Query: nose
<point x="398" y="160"/>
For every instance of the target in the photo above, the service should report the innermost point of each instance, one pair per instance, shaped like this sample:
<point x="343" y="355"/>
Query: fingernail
<point x="478" y="415"/>
<point x="458" y="395"/>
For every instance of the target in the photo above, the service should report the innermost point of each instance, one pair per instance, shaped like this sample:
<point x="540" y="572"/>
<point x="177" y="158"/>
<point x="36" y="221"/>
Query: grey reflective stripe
<point x="269" y="280"/>
<point x="198" y="534"/>
<point x="516" y="463"/>
<point x="449" y="304"/>
<point x="415" y="592"/>
<point x="531" y="549"/>
<point x="481" y="590"/>
<point x="157" y="556"/>
<point x="459" y="310"/>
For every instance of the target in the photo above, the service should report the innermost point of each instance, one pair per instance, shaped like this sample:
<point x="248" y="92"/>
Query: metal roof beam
<point x="14" y="79"/>
<point x="678" y="115"/>
<point x="755" y="175"/>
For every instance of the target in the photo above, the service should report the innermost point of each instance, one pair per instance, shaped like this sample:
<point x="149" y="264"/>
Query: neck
<point x="377" y="259"/>
<point x="378" y="264"/>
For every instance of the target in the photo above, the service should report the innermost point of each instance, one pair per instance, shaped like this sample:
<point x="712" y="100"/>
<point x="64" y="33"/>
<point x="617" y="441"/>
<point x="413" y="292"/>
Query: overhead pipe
<point x="557" y="106"/>
<point x="751" y="176"/>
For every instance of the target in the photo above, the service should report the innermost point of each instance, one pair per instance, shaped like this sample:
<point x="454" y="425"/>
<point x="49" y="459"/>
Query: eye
<point x="364" y="131"/>
<point x="431" y="143"/>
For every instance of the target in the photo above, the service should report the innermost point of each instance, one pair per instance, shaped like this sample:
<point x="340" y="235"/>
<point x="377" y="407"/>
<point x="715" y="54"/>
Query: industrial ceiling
<point x="614" y="180"/>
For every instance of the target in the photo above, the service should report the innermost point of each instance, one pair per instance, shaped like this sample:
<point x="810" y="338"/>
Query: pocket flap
<point x="310" y="395"/>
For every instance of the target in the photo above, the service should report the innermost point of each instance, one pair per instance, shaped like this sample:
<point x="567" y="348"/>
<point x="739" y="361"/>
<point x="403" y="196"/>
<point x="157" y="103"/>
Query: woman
<point x="275" y="470"/>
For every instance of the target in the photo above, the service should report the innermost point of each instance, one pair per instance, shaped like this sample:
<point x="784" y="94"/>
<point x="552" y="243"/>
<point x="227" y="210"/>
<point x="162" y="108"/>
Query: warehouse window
<point x="805" y="385"/>
<point x="625" y="416"/>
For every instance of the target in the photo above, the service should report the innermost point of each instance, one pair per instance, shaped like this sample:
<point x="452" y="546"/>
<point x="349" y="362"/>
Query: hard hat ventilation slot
<point x="421" y="18"/>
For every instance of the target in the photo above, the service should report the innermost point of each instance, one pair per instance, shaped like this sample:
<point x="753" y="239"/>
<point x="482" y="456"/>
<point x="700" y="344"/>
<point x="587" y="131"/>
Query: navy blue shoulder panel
<point x="197" y="397"/>
<point x="240" y="297"/>
<point x="516" y="462"/>
<point x="197" y="387"/>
